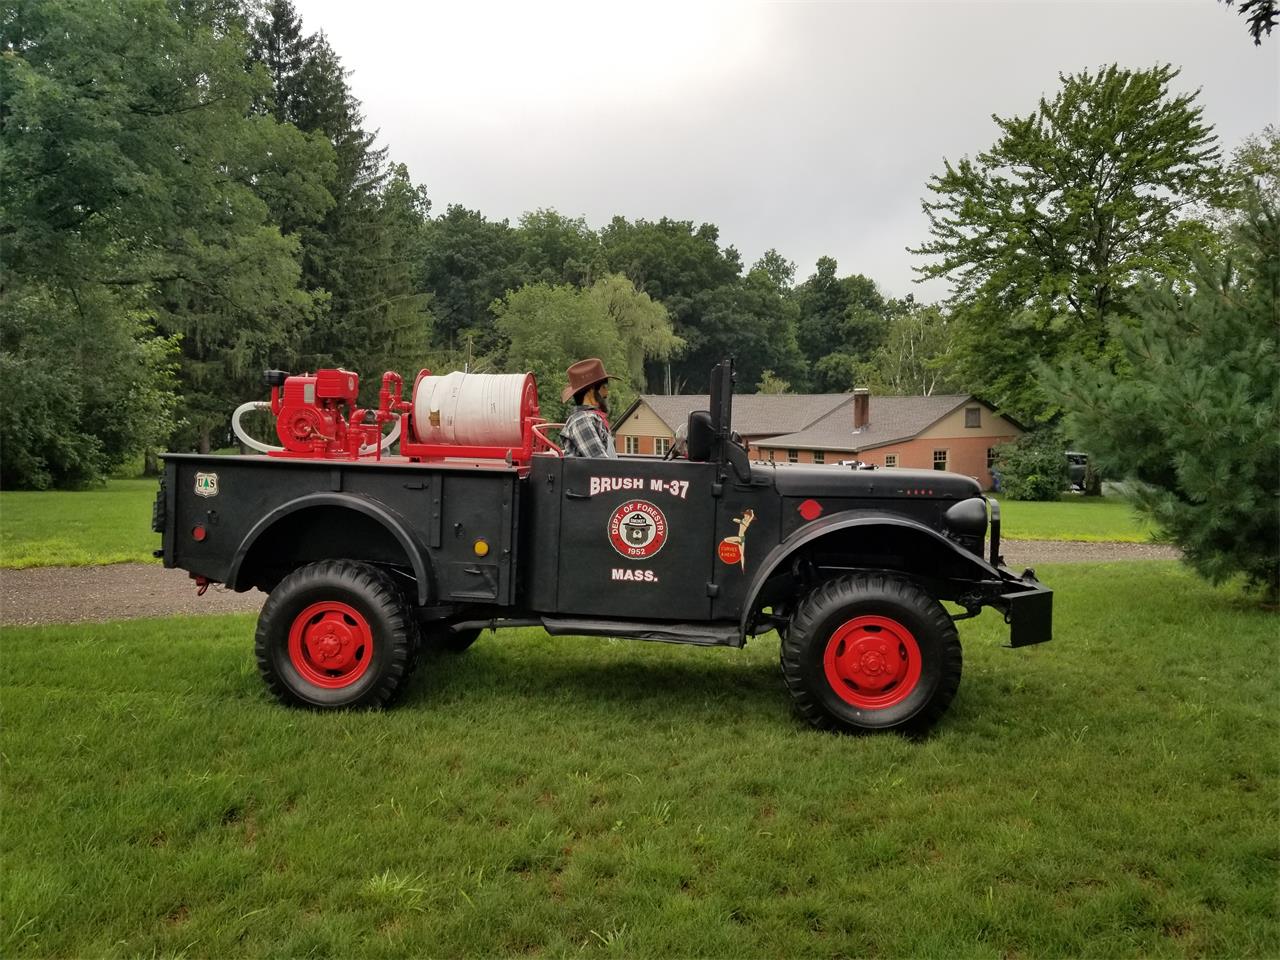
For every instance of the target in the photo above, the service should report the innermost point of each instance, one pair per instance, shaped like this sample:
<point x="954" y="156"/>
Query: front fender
<point x="413" y="548"/>
<point x="978" y="568"/>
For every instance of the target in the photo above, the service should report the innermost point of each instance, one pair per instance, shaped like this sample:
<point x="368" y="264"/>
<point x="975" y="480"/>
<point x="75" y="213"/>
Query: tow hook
<point x="202" y="584"/>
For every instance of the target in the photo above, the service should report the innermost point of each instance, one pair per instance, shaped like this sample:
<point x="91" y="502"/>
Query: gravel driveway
<point x="126" y="590"/>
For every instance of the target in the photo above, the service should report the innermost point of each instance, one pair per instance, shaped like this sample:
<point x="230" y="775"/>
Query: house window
<point x="793" y="456"/>
<point x="819" y="456"/>
<point x="991" y="458"/>
<point x="939" y="459"/>
<point x="631" y="445"/>
<point x="890" y="459"/>
<point x="661" y="445"/>
<point x="973" y="416"/>
<point x="771" y="456"/>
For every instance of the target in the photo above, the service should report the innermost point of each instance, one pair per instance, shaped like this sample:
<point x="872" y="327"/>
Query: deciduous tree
<point x="558" y="249"/>
<point x="642" y="325"/>
<point x="770" y="383"/>
<point x="841" y="321"/>
<point x="131" y="205"/>
<point x="752" y="321"/>
<point x="681" y="266"/>
<point x="1043" y="235"/>
<point x="468" y="262"/>
<point x="1261" y="15"/>
<point x="549" y="327"/>
<point x="916" y="356"/>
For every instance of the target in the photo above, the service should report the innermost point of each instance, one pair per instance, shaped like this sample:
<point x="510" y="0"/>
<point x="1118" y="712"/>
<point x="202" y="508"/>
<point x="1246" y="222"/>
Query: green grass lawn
<point x="113" y="525"/>
<point x="1072" y="518"/>
<point x="73" y="528"/>
<point x="1112" y="793"/>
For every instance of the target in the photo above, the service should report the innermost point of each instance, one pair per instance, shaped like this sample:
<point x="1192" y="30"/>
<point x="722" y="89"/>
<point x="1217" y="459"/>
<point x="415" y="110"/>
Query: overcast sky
<point x="808" y="127"/>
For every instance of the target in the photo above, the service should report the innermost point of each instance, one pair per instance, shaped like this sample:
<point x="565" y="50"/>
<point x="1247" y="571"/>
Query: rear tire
<point x="871" y="652"/>
<point x="336" y="634"/>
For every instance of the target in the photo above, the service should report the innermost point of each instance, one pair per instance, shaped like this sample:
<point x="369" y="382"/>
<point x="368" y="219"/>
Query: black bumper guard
<point x="1028" y="611"/>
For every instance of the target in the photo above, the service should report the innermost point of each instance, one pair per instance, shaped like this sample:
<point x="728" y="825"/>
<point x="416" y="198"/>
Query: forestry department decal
<point x="206" y="484"/>
<point x="637" y="529"/>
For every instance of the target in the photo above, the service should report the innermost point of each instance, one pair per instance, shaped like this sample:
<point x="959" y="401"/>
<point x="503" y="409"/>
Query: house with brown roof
<point x="955" y="432"/>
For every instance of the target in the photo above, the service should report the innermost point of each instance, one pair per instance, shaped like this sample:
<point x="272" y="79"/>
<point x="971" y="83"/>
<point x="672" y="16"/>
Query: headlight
<point x="968" y="518"/>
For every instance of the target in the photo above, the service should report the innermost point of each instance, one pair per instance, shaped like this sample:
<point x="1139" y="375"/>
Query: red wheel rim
<point x="872" y="662"/>
<point x="330" y="644"/>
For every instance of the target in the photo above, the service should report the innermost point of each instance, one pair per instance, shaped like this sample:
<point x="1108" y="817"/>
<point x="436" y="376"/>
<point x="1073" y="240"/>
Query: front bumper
<point x="1027" y="605"/>
<point x="1029" y="613"/>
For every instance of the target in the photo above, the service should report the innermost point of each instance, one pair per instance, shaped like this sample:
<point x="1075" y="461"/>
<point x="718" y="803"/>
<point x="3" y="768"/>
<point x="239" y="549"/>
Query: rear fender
<point x="932" y="547"/>
<point x="414" y="550"/>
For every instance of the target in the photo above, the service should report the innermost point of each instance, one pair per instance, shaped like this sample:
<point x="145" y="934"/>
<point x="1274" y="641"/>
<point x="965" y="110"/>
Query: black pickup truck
<point x="369" y="561"/>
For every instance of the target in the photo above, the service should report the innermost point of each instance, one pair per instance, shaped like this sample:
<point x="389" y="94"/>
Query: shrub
<point x="85" y="384"/>
<point x="1033" y="467"/>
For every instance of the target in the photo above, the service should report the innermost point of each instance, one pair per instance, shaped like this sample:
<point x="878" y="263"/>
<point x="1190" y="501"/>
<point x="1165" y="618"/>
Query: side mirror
<point x="700" y="435"/>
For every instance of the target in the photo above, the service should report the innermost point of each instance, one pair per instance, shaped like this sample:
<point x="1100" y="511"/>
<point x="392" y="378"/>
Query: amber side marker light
<point x="481" y="548"/>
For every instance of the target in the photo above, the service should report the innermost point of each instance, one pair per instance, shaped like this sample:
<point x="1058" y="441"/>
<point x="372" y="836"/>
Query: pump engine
<point x="310" y="417"/>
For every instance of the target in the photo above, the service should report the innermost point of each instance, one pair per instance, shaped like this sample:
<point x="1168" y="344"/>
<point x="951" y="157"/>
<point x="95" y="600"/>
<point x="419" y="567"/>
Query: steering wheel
<point x="679" y="443"/>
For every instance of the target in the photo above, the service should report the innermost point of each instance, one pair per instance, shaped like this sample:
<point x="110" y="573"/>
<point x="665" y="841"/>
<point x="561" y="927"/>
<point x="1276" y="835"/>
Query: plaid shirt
<point x="586" y="434"/>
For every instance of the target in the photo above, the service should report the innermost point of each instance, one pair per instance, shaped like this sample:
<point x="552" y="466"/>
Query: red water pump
<point x="310" y="417"/>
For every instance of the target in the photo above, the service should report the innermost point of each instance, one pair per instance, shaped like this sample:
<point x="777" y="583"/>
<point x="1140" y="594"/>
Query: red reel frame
<point x="531" y="441"/>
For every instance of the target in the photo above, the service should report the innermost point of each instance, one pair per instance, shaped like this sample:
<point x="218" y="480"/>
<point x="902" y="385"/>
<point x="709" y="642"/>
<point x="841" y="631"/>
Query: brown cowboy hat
<point x="583" y="374"/>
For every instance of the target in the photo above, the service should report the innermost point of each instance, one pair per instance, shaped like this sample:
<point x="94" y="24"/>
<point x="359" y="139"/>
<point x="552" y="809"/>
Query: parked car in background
<point x="1077" y="467"/>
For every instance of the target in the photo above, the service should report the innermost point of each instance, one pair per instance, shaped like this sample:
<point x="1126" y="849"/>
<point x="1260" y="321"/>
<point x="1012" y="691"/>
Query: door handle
<point x="574" y="495"/>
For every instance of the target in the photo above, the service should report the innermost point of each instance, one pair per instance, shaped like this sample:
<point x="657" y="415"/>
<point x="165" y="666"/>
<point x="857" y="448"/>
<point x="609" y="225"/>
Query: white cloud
<point x="809" y="127"/>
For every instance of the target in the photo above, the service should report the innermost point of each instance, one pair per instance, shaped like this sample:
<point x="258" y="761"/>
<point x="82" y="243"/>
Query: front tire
<point x="335" y="634"/>
<point x="871" y="652"/>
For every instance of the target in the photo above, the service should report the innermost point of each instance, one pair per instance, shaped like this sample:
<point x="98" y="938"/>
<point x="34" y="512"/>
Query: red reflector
<point x="198" y="533"/>
<point x="810" y="509"/>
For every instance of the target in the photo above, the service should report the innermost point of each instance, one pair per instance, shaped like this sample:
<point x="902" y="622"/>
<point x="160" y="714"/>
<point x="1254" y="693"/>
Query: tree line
<point x="191" y="195"/>
<point x="195" y="197"/>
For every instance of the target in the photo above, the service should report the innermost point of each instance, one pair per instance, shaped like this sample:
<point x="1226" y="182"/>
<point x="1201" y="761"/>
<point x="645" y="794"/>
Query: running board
<point x="698" y="634"/>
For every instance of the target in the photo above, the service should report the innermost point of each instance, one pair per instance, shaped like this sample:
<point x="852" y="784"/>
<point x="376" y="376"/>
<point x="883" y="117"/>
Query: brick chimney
<point x="861" y="408"/>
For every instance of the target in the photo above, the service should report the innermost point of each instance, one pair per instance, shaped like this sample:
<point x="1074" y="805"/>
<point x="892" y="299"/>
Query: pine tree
<point x="358" y="258"/>
<point x="1194" y="417"/>
<point x="281" y="47"/>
